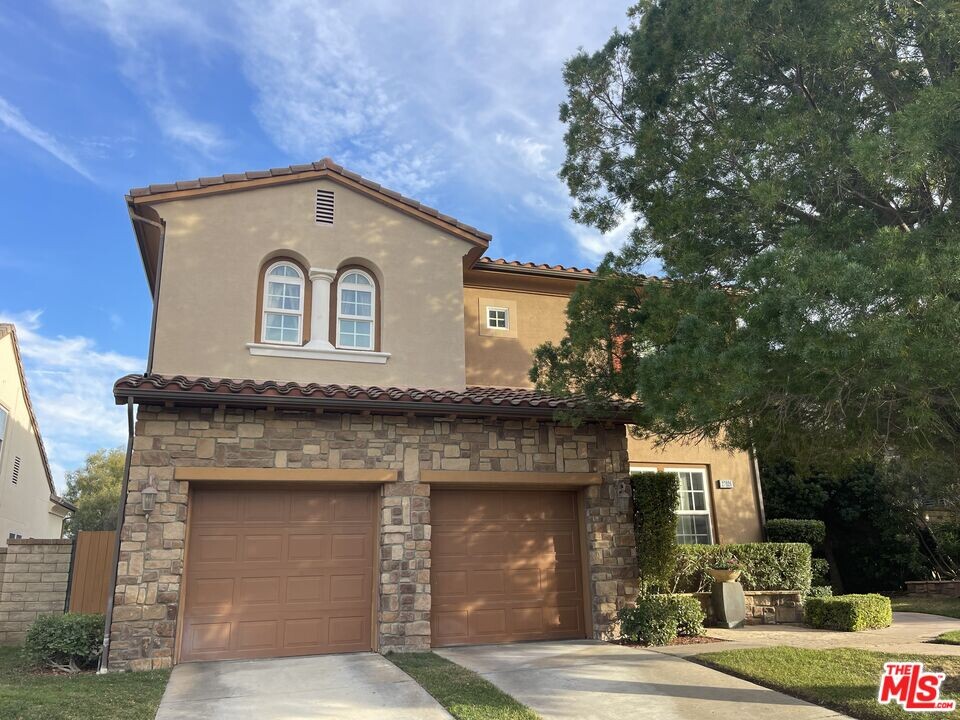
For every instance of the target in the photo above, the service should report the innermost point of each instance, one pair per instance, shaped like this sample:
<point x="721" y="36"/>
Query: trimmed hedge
<point x="765" y="566"/>
<point x="849" y="613"/>
<point x="70" y="642"/>
<point x="655" y="499"/>
<point x="811" y="532"/>
<point x="659" y="619"/>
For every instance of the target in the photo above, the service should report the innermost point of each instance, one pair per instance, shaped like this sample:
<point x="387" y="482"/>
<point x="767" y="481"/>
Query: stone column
<point x="320" y="312"/>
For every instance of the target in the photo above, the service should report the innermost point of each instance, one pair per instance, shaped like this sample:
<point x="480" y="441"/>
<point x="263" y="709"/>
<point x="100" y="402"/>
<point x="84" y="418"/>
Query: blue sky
<point x="452" y="103"/>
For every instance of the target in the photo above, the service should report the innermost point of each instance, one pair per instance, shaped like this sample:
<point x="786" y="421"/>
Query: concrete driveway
<point x="358" y="686"/>
<point x="590" y="680"/>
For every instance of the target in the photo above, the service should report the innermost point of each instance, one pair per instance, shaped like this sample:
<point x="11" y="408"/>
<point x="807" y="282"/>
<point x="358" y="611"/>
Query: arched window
<point x="356" y="310"/>
<point x="283" y="301"/>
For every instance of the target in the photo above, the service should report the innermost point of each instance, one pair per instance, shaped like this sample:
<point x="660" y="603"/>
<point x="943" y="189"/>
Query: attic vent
<point x="16" y="470"/>
<point x="324" y="212"/>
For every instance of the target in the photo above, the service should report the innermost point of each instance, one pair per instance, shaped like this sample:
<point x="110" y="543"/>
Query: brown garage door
<point x="274" y="573"/>
<point x="505" y="566"/>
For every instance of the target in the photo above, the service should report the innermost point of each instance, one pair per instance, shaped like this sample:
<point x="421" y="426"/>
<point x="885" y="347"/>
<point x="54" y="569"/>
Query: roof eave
<point x="398" y="407"/>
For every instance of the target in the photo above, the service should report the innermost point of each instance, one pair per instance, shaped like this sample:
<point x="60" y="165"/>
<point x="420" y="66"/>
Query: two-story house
<point x="29" y="504"/>
<point x="337" y="447"/>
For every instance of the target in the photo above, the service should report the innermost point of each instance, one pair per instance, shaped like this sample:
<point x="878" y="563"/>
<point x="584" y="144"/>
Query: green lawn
<point x="932" y="605"/>
<point x="28" y="696"/>
<point x="464" y="694"/>
<point x="844" y="680"/>
<point x="949" y="638"/>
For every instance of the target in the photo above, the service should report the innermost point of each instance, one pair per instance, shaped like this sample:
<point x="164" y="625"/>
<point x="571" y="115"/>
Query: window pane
<point x="3" y="423"/>
<point x="284" y="271"/>
<point x="356" y="334"/>
<point x="356" y="302"/>
<point x="693" y="529"/>
<point x="282" y="328"/>
<point x="356" y="278"/>
<point x="283" y="296"/>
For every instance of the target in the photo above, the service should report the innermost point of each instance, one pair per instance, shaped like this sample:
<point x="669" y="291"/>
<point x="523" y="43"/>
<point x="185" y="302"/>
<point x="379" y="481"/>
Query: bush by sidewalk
<point x="849" y="613"/>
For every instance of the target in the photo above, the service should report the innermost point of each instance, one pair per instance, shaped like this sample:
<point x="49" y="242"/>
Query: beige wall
<point x="215" y="246"/>
<point x="540" y="316"/>
<point x="25" y="508"/>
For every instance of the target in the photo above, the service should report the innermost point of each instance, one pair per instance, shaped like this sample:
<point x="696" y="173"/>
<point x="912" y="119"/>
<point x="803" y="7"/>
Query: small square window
<point x="497" y="318"/>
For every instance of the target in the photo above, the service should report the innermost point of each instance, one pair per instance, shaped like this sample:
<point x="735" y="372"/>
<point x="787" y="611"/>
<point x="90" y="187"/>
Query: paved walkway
<point x="590" y="680"/>
<point x="910" y="634"/>
<point x="360" y="686"/>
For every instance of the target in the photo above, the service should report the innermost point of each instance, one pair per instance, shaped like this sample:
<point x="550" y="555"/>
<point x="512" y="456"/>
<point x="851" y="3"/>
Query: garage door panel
<point x="513" y="575"/>
<point x="273" y="586"/>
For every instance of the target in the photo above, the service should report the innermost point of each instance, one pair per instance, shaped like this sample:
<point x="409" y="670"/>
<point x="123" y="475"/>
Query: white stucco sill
<point x="314" y="353"/>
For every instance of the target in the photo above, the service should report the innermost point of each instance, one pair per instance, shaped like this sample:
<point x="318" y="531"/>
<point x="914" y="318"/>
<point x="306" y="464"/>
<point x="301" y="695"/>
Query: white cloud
<point x="70" y="382"/>
<point x="13" y="119"/>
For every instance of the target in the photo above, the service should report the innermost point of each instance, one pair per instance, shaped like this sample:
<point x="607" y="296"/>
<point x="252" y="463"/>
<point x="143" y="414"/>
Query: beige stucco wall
<point x="540" y="316"/>
<point x="24" y="507"/>
<point x="215" y="246"/>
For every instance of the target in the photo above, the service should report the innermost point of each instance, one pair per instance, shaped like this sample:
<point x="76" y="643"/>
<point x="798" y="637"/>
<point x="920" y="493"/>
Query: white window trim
<point x="314" y="353"/>
<point x="372" y="318"/>
<point x="707" y="499"/>
<point x="506" y="318"/>
<point x="276" y="311"/>
<point x="645" y="469"/>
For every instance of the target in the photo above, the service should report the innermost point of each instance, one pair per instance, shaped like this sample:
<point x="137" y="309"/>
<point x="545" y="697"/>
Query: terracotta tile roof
<point x="473" y="400"/>
<point x="494" y="263"/>
<point x="10" y="329"/>
<point x="327" y="165"/>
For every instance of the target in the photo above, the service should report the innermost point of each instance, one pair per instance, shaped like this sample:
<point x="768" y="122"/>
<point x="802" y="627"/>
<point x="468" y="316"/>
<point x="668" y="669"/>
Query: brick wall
<point x="151" y="559"/>
<point x="35" y="579"/>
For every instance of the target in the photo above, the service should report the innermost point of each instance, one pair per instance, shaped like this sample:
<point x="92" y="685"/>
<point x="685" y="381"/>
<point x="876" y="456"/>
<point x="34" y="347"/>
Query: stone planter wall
<point x="152" y="551"/>
<point x="763" y="606"/>
<point x="35" y="576"/>
<point x="946" y="588"/>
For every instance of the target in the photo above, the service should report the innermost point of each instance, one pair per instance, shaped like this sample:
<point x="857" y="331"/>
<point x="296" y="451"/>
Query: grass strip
<point x="463" y="693"/>
<point x="948" y="607"/>
<point x="844" y="679"/>
<point x="26" y="695"/>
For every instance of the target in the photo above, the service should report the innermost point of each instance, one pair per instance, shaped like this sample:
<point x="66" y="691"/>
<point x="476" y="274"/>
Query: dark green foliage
<point x="870" y="517"/>
<point x="820" y="571"/>
<point x="655" y="498"/>
<point x="67" y="642"/>
<point x="765" y="566"/>
<point x="811" y="532"/>
<point x="803" y="155"/>
<point x="849" y="613"/>
<point x="659" y="619"/>
<point x="690" y="615"/>
<point x="820" y="591"/>
<point x="947" y="534"/>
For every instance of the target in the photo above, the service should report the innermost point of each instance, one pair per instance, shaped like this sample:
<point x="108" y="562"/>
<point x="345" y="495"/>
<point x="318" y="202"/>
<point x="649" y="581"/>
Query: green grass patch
<point x="949" y="638"/>
<point x="464" y="694"/>
<point x="950" y="607"/>
<point x="25" y="695"/>
<point x="845" y="680"/>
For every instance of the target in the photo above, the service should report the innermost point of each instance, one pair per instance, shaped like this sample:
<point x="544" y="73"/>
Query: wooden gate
<point x="90" y="577"/>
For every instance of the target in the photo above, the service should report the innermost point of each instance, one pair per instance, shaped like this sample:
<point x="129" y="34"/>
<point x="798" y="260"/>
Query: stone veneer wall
<point x="151" y="557"/>
<point x="36" y="575"/>
<point x="948" y="588"/>
<point x="764" y="607"/>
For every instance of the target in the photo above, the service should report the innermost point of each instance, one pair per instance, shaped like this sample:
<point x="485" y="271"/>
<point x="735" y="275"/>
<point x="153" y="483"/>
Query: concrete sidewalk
<point x="910" y="634"/>
<point x="591" y="680"/>
<point x="360" y="686"/>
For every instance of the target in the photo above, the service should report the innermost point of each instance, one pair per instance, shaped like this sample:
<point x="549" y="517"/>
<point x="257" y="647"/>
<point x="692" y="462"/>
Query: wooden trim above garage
<point x="227" y="474"/>
<point x="494" y="477"/>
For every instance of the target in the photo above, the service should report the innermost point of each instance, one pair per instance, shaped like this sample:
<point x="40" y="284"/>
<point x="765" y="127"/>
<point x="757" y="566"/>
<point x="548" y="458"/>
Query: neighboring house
<point x="376" y="471"/>
<point x="29" y="504"/>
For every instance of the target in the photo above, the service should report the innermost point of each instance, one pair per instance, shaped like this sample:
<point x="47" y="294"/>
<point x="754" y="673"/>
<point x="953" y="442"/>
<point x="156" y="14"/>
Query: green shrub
<point x="690" y="615"/>
<point x="659" y="619"/>
<point x="784" y="530"/>
<point x="849" y="612"/>
<point x="819" y="591"/>
<point x="655" y="498"/>
<point x="652" y="621"/>
<point x="819" y="571"/>
<point x="69" y="642"/>
<point x="764" y="566"/>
